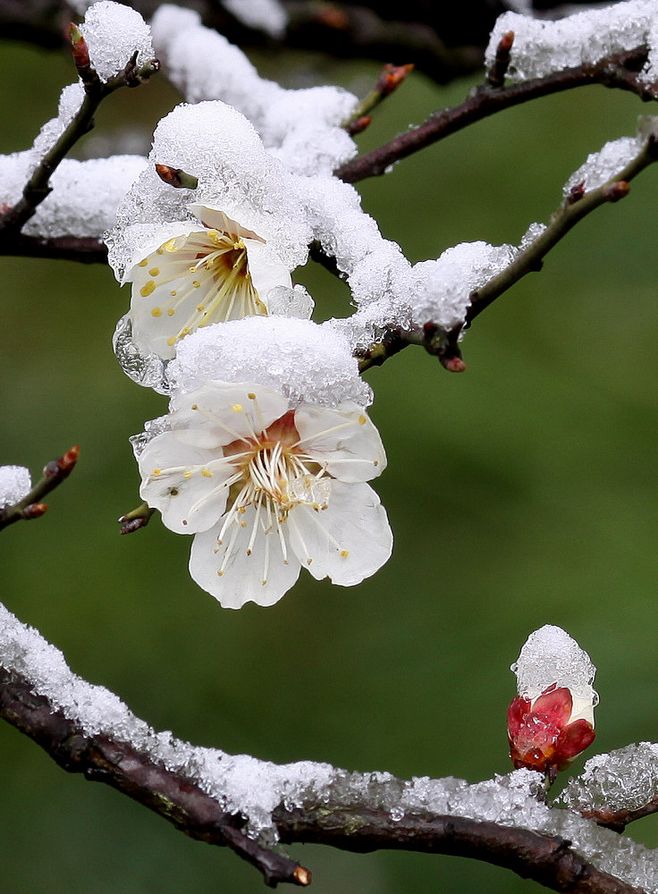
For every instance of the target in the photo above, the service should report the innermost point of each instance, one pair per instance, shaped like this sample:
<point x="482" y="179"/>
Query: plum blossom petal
<point x="348" y="540"/>
<point x="343" y="440"/>
<point x="242" y="567"/>
<point x="222" y="412"/>
<point x="188" y="485"/>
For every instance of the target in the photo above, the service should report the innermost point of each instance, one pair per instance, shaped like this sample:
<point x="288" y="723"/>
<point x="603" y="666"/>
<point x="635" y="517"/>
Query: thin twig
<point x="390" y="78"/>
<point x="32" y="505"/>
<point x="38" y="186"/>
<point x="573" y="209"/>
<point x="618" y="70"/>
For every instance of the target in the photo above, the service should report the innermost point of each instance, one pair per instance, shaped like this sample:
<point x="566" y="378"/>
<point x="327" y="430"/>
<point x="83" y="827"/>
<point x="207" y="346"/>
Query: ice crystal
<point x="115" y="34"/>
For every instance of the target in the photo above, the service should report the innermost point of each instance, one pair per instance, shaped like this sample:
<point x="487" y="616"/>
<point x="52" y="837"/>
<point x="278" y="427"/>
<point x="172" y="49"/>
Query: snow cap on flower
<point x="552" y="719"/>
<point x="114" y="33"/>
<point x="15" y="483"/>
<point x="302" y="360"/>
<point x="213" y="271"/>
<point x="268" y="486"/>
<point x="216" y="144"/>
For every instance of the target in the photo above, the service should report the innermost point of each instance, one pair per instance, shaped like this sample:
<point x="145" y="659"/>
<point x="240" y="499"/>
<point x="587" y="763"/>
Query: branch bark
<point x="356" y="826"/>
<point x="616" y="71"/>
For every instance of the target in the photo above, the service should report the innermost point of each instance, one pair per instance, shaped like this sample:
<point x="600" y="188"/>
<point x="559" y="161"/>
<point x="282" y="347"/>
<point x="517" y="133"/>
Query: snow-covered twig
<point x="578" y="203"/>
<point x="96" y="89"/>
<point x="30" y="505"/>
<point x="236" y="800"/>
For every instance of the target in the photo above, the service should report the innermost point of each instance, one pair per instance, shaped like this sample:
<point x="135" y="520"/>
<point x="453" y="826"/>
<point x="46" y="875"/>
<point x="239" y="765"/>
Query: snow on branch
<point x="112" y="49"/>
<point x="249" y="805"/>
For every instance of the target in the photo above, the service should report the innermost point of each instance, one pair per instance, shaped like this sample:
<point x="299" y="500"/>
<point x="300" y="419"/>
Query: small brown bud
<point x="176" y="177"/>
<point x="617" y="191"/>
<point x="358" y="126"/>
<point x="506" y="42"/>
<point x="453" y="364"/>
<point x="333" y="17"/>
<point x="34" y="510"/>
<point x="79" y="47"/>
<point x="392" y="76"/>
<point x="576" y="193"/>
<point x="302" y="876"/>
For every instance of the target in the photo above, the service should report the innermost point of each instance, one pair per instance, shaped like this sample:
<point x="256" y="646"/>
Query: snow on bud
<point x="551" y="721"/>
<point x="114" y="34"/>
<point x="268" y="486"/>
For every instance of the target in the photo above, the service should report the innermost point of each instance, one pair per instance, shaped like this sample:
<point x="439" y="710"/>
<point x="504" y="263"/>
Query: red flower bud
<point x="546" y="734"/>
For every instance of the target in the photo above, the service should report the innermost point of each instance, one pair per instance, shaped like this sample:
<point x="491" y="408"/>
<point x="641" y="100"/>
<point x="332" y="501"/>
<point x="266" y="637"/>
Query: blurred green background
<point x="520" y="493"/>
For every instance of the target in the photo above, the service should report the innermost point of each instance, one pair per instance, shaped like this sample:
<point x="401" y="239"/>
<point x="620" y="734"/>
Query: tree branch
<point x="576" y="206"/>
<point x="357" y="815"/>
<point x="32" y="505"/>
<point x="38" y="186"/>
<point x="619" y="70"/>
<point x="83" y="249"/>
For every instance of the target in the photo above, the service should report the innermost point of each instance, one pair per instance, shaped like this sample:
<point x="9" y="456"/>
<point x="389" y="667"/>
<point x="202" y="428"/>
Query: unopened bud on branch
<point x="176" y="177"/>
<point x="79" y="47"/>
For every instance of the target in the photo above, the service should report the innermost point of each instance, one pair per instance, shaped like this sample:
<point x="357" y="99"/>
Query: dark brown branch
<point x="120" y="766"/>
<point x="32" y="505"/>
<point x="84" y="249"/>
<point x="618" y="71"/>
<point x="443" y="43"/>
<point x="548" y="860"/>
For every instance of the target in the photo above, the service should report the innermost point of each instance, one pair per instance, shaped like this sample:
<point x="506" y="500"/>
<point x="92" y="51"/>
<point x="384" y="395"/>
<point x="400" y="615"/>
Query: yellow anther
<point x="147" y="289"/>
<point x="237" y="408"/>
<point x="363" y="420"/>
<point x="194" y="407"/>
<point x="201" y="307"/>
<point x="242" y="510"/>
<point x="187" y="473"/>
<point x="184" y="331"/>
<point x="156" y="312"/>
<point x="171" y="341"/>
<point x="264" y="582"/>
<point x="171" y="312"/>
<point x="170" y="245"/>
<point x="220" y="574"/>
<point x="196" y="283"/>
<point x="206" y="473"/>
<point x="143" y="263"/>
<point x="344" y="553"/>
<point x="251" y="395"/>
<point x="173" y="293"/>
<point x="154" y="271"/>
<point x="156" y="472"/>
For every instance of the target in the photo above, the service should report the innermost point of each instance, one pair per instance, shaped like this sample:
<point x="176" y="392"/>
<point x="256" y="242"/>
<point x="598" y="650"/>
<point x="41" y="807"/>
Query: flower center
<point x="207" y="280"/>
<point x="273" y="475"/>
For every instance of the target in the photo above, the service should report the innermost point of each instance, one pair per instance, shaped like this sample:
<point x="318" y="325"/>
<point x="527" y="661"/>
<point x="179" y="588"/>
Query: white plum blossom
<point x="268" y="485"/>
<point x="201" y="274"/>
